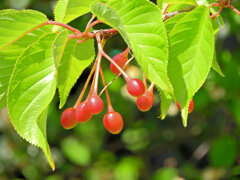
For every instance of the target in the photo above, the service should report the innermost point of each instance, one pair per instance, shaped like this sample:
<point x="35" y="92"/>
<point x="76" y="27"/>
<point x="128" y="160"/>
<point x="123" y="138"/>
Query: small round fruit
<point x="113" y="122"/>
<point x="121" y="60"/>
<point x="145" y="102"/>
<point x="68" y="118"/>
<point x="190" y="106"/>
<point x="83" y="113"/>
<point x="135" y="87"/>
<point x="95" y="104"/>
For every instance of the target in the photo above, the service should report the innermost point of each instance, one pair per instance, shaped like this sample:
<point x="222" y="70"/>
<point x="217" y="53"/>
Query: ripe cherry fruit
<point x="190" y="106"/>
<point x="113" y="122"/>
<point x="83" y="113"/>
<point x="135" y="87"/>
<point x="145" y="102"/>
<point x="68" y="118"/>
<point x="121" y="60"/>
<point x="95" y="104"/>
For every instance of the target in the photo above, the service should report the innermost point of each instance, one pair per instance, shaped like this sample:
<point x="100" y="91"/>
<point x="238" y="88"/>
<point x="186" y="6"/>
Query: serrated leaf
<point x="215" y="65"/>
<point x="192" y="2"/>
<point x="9" y="56"/>
<point x="31" y="89"/>
<point x="166" y="101"/>
<point x="170" y="23"/>
<point x="14" y="24"/>
<point x="68" y="10"/>
<point x="140" y="24"/>
<point x="76" y="57"/>
<point x="191" y="53"/>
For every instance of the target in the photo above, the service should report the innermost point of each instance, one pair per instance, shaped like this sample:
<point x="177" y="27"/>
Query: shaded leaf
<point x="32" y="87"/>
<point x="9" y="56"/>
<point x="14" y="24"/>
<point x="140" y="24"/>
<point x="191" y="53"/>
<point x="76" y="57"/>
<point x="68" y="10"/>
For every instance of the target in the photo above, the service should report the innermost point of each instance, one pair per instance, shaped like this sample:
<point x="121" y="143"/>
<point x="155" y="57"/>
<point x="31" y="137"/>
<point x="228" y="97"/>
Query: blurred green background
<point x="147" y="148"/>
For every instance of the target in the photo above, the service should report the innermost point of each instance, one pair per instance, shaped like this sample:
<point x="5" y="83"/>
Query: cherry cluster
<point x="93" y="104"/>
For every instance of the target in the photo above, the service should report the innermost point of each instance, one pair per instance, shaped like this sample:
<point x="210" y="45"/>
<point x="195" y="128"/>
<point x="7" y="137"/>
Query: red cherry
<point x="135" y="87"/>
<point x="113" y="122"/>
<point x="68" y="118"/>
<point x="190" y="106"/>
<point x="145" y="102"/>
<point x="83" y="113"/>
<point x="121" y="60"/>
<point x="95" y="104"/>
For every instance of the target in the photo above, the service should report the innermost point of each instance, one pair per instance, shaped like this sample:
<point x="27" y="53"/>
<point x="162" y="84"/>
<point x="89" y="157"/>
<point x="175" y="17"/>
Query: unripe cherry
<point x="68" y="118"/>
<point x="145" y="102"/>
<point x="121" y="60"/>
<point x="113" y="122"/>
<point x="190" y="106"/>
<point x="95" y="104"/>
<point x="135" y="87"/>
<point x="83" y="113"/>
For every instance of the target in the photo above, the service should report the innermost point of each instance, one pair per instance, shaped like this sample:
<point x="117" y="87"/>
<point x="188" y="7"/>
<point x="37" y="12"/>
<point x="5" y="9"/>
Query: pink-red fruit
<point x="121" y="60"/>
<point x="135" y="87"/>
<point x="95" y="104"/>
<point x="83" y="113"/>
<point x="68" y="118"/>
<point x="145" y="102"/>
<point x="190" y="106"/>
<point x="113" y="122"/>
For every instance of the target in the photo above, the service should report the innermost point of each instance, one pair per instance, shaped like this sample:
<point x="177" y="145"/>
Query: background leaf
<point x="140" y="24"/>
<point x="76" y="57"/>
<point x="68" y="10"/>
<point x="191" y="53"/>
<point x="14" y="24"/>
<point x="9" y="56"/>
<point x="31" y="89"/>
<point x="193" y="2"/>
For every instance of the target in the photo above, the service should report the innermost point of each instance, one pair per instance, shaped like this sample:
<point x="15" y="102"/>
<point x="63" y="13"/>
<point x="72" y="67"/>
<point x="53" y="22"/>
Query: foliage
<point x="176" y="55"/>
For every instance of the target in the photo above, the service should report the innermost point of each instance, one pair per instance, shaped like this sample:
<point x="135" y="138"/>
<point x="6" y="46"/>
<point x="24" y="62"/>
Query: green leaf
<point x="215" y="65"/>
<point x="59" y="46"/>
<point x="140" y="24"/>
<point x="160" y="3"/>
<point x="165" y="173"/>
<point x="14" y="24"/>
<point x="32" y="87"/>
<point x="170" y="23"/>
<point x="191" y="53"/>
<point x="223" y="152"/>
<point x="166" y="101"/>
<point x="9" y="56"/>
<point x="76" y="152"/>
<point x="192" y="2"/>
<point x="68" y="10"/>
<point x="76" y="57"/>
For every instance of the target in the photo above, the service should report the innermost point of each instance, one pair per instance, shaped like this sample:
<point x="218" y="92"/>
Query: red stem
<point x="151" y="87"/>
<point x="85" y="87"/>
<point x="91" y="25"/>
<point x="234" y="9"/>
<point x="215" y="15"/>
<point x="214" y="4"/>
<point x="165" y="9"/>
<point x="99" y="58"/>
<point x="74" y="30"/>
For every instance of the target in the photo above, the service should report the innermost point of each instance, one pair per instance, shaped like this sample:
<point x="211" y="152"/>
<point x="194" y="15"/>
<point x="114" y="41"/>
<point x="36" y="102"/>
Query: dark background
<point x="147" y="148"/>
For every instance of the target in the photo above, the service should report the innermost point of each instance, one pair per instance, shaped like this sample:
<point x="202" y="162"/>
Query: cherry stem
<point x="99" y="58"/>
<point x="151" y="87"/>
<point x="85" y="87"/>
<point x="215" y="15"/>
<point x="90" y="21"/>
<point x="91" y="25"/>
<point x="214" y="4"/>
<point x="106" y="90"/>
<point x="234" y="9"/>
<point x="125" y="65"/>
<point x="74" y="30"/>
<point x="165" y="9"/>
